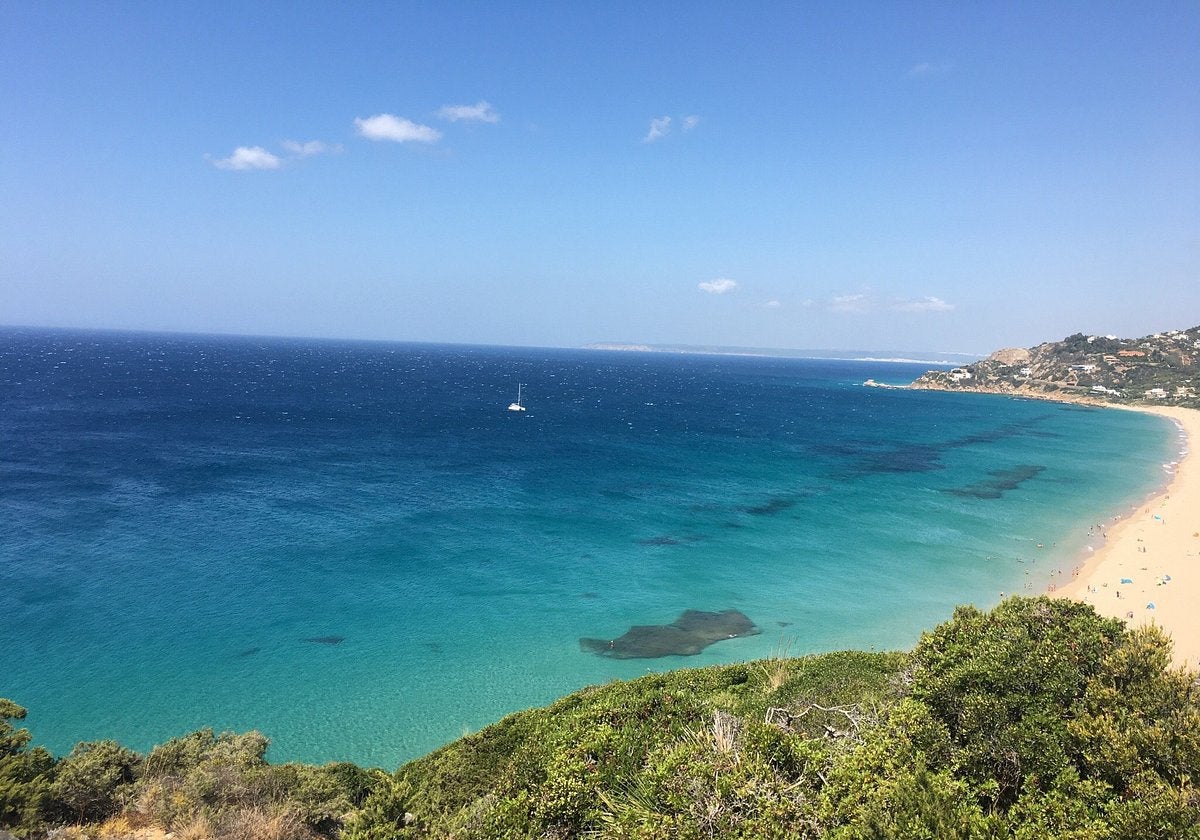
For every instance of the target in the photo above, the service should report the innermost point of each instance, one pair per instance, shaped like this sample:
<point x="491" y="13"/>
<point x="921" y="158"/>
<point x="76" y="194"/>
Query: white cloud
<point x="479" y="112"/>
<point x="772" y="304"/>
<point x="396" y="129"/>
<point x="925" y="304"/>
<point x="248" y="157"/>
<point x="310" y="148"/>
<point x="719" y="286"/>
<point x="659" y="128"/>
<point x="850" y="303"/>
<point x="861" y="302"/>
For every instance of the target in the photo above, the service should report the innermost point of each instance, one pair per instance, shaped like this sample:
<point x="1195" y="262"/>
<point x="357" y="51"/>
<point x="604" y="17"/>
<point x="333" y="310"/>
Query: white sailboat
<point x="517" y="405"/>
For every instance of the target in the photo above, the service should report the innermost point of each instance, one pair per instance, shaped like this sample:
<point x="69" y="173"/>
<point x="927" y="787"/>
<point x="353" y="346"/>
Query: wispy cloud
<point x="925" y="304"/>
<point x="772" y="304"/>
<point x="396" y="129"/>
<point x="660" y="127"/>
<point x="479" y="112"/>
<point x="927" y="70"/>
<point x="719" y="286"/>
<point x="247" y="157"/>
<point x="310" y="148"/>
<point x="850" y="303"/>
<point x="868" y="301"/>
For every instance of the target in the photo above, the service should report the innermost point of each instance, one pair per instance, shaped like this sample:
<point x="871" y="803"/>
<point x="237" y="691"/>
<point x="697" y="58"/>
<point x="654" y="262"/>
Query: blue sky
<point x="940" y="176"/>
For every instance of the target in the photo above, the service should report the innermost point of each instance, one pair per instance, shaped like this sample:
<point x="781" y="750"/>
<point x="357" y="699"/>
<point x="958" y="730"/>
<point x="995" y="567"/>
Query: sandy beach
<point x="1156" y="549"/>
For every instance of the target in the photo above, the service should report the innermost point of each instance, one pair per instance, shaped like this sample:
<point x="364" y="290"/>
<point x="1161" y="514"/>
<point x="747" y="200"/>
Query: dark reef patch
<point x="770" y="506"/>
<point x="667" y="539"/>
<point x="1000" y="482"/>
<point x="250" y="651"/>
<point x="687" y="635"/>
<point x="42" y="591"/>
<point x="659" y="540"/>
<point x="841" y="449"/>
<point x="927" y="457"/>
<point x="903" y="459"/>
<point x="326" y="640"/>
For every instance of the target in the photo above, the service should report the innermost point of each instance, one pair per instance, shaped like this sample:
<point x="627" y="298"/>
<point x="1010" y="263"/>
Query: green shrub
<point x="95" y="780"/>
<point x="622" y="758"/>
<point x="204" y="775"/>
<point x="1139" y="719"/>
<point x="916" y="803"/>
<point x="25" y="774"/>
<point x="1001" y="681"/>
<point x="225" y="779"/>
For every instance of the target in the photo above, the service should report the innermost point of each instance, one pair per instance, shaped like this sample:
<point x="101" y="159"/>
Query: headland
<point x="1161" y="369"/>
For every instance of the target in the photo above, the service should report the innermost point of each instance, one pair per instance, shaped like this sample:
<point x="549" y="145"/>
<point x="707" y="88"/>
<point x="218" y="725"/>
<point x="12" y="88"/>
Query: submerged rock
<point x="661" y="540"/>
<point x="687" y="635"/>
<point x="326" y="640"/>
<point x="667" y="539"/>
<point x="770" y="507"/>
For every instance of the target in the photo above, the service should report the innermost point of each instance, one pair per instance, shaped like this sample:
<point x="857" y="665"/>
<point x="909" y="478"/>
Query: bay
<point x="355" y="549"/>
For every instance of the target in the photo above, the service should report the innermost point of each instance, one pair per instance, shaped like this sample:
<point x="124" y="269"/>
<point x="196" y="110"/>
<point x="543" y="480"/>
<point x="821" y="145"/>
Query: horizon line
<point x="615" y="346"/>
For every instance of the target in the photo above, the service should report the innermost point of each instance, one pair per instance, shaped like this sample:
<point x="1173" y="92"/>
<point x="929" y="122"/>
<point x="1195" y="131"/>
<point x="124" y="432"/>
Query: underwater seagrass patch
<point x="999" y="482"/>
<point x="687" y="635"/>
<point x="326" y="640"/>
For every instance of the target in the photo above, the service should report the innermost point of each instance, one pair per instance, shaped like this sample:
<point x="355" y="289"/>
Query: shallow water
<point x="355" y="548"/>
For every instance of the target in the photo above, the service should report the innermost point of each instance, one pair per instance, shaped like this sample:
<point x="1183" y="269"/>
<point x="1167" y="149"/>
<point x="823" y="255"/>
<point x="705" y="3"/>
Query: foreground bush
<point x="25" y="774"/>
<point x="201" y="786"/>
<point x="1039" y="719"/>
<point x="95" y="780"/>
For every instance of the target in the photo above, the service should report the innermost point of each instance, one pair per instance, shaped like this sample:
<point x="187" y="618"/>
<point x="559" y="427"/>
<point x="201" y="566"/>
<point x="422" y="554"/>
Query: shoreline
<point x="1156" y="547"/>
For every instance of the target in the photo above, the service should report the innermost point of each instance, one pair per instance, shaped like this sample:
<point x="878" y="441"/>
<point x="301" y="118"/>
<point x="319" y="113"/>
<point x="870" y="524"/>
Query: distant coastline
<point x="917" y="357"/>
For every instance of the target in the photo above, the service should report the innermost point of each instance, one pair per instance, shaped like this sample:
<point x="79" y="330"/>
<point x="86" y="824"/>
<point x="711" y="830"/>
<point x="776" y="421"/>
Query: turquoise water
<point x="184" y="515"/>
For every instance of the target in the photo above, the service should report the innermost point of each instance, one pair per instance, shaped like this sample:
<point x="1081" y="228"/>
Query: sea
<point x="357" y="550"/>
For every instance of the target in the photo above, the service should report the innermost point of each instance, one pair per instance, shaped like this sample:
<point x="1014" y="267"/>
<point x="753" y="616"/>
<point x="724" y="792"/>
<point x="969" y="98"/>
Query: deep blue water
<point x="180" y="516"/>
